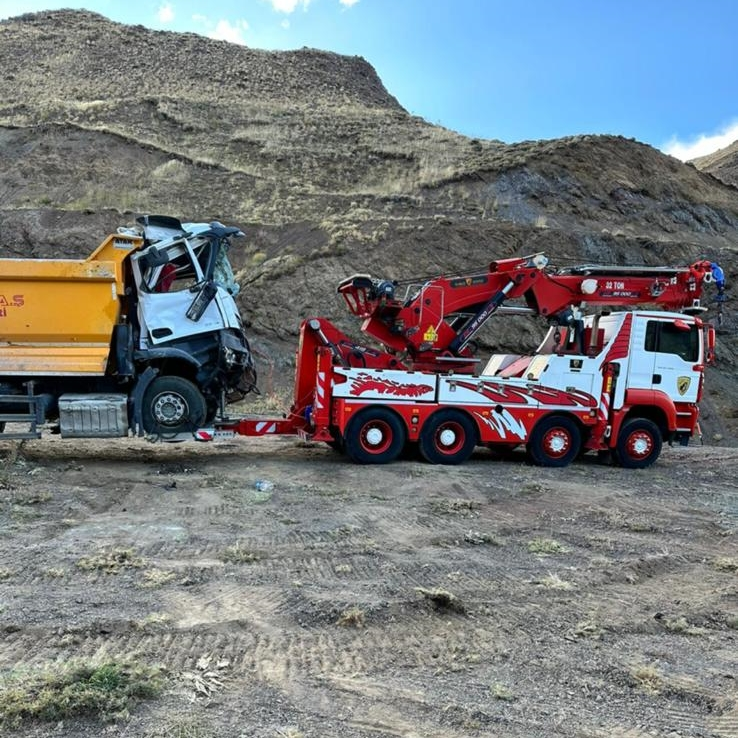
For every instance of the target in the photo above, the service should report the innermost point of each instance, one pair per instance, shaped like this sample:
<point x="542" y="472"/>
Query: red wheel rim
<point x="375" y="437"/>
<point x="449" y="438"/>
<point x="639" y="444"/>
<point x="556" y="443"/>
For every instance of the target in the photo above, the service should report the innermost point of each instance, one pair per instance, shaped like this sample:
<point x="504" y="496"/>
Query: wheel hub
<point x="557" y="443"/>
<point x="169" y="409"/>
<point x="374" y="436"/>
<point x="640" y="445"/>
<point x="447" y="437"/>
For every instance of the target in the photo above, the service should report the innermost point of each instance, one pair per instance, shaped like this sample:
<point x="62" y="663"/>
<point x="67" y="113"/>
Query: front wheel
<point x="375" y="435"/>
<point x="639" y="444"/>
<point x="555" y="441"/>
<point x="173" y="405"/>
<point x="448" y="437"/>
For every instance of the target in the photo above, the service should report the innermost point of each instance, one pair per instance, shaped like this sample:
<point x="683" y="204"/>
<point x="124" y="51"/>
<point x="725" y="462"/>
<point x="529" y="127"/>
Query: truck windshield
<point x="222" y="272"/>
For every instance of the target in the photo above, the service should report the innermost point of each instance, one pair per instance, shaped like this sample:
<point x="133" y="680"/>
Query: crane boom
<point x="432" y="326"/>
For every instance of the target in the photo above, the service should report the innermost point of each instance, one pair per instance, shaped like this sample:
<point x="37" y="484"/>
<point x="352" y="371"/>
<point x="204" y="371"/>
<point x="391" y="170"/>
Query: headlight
<point x="230" y="356"/>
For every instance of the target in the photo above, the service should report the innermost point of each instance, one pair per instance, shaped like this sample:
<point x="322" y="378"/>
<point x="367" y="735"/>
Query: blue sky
<point x="662" y="71"/>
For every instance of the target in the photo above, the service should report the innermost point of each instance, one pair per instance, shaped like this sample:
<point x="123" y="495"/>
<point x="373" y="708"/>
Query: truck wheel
<point x="639" y="444"/>
<point x="337" y="443"/>
<point x="173" y="405"/>
<point x="448" y="437"/>
<point x="555" y="441"/>
<point x="374" y="435"/>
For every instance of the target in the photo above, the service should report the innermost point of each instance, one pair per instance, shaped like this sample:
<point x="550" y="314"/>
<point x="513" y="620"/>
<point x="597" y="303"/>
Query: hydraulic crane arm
<point x="434" y="324"/>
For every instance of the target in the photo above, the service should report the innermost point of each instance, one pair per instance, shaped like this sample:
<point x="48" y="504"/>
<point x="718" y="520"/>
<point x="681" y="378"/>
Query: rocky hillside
<point x="723" y="163"/>
<point x="323" y="169"/>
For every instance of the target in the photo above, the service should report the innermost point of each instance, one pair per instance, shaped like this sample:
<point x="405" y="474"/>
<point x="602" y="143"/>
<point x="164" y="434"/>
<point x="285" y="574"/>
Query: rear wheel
<point x="555" y="441"/>
<point x="448" y="437"/>
<point x="173" y="405"/>
<point x="337" y="443"/>
<point x="639" y="444"/>
<point x="375" y="435"/>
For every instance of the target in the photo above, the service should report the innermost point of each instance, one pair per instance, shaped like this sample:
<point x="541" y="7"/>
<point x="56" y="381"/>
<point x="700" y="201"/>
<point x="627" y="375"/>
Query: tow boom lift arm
<point x="432" y="327"/>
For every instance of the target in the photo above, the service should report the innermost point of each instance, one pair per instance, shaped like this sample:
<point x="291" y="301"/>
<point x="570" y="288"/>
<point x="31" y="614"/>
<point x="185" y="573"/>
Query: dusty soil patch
<point x="287" y="592"/>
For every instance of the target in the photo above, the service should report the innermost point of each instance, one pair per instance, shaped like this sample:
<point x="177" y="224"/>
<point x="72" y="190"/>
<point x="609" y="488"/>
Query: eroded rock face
<point x="723" y="164"/>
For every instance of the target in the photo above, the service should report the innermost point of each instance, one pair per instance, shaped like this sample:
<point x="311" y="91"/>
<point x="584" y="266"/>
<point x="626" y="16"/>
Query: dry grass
<point x="481" y="539"/>
<point x="648" y="678"/>
<point x="546" y="547"/>
<point x="681" y="625"/>
<point x="587" y="628"/>
<point x="501" y="692"/>
<point x="184" y="726"/>
<point x="354" y="617"/>
<point x="237" y="554"/>
<point x="290" y="732"/>
<point x="442" y="599"/>
<point x="458" y="506"/>
<point x="154" y="618"/>
<point x="554" y="581"/>
<point x="157" y="577"/>
<point x="726" y="563"/>
<point x="104" y="691"/>
<point x="111" y="562"/>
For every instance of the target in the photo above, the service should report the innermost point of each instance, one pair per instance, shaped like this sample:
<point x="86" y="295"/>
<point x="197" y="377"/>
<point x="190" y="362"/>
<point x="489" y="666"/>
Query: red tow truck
<point x="617" y="382"/>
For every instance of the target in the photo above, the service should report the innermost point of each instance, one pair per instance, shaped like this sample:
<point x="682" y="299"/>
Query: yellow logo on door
<point x="430" y="334"/>
<point x="683" y="384"/>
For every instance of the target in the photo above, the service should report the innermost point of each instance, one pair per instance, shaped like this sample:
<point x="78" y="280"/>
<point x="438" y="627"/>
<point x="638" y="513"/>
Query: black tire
<point x="337" y="443"/>
<point x="375" y="435"/>
<point x="555" y="441"/>
<point x="639" y="444"/>
<point x="447" y="437"/>
<point x="173" y="405"/>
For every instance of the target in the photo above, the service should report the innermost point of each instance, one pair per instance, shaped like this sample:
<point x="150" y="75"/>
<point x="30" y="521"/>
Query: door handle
<point x="656" y="379"/>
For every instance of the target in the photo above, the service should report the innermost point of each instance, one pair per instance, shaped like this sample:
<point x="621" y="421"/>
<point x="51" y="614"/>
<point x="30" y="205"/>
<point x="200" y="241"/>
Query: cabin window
<point x="667" y="338"/>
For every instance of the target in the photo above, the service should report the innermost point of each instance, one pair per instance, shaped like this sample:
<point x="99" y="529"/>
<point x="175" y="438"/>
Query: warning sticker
<point x="430" y="334"/>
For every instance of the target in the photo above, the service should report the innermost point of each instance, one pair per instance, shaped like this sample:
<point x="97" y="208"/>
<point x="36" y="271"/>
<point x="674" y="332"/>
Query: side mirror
<point x="199" y="305"/>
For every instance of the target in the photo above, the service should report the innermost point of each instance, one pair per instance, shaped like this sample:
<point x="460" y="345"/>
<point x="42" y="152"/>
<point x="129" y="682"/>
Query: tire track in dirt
<point x="292" y="655"/>
<point x="555" y="630"/>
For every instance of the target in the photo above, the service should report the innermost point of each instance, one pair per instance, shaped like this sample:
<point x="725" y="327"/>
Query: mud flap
<point x="136" y="399"/>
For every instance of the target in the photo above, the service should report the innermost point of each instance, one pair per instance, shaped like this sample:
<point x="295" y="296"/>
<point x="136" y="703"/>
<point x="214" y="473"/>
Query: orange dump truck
<point x="144" y="335"/>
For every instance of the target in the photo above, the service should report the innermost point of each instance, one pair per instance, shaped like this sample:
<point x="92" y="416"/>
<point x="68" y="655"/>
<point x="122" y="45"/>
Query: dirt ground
<point x="289" y="593"/>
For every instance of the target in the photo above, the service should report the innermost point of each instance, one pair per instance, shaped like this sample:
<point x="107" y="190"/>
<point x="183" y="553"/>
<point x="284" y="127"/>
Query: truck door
<point x="675" y="348"/>
<point x="640" y="361"/>
<point x="167" y="288"/>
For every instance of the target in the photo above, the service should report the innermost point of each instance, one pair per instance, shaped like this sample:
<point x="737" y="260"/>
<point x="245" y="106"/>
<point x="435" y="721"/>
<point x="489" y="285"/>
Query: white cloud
<point x="226" y="31"/>
<point x="348" y="3"/>
<point x="166" y="13"/>
<point x="701" y="145"/>
<point x="288" y="6"/>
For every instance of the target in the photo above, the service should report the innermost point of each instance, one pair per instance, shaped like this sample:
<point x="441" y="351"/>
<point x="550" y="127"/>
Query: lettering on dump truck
<point x="13" y="301"/>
